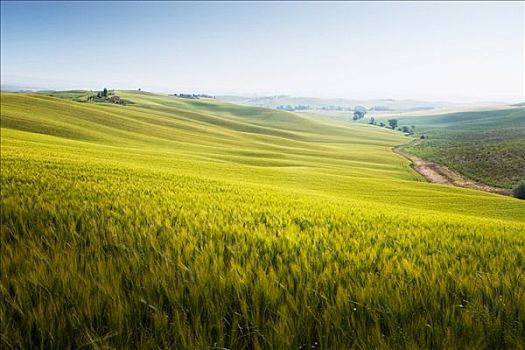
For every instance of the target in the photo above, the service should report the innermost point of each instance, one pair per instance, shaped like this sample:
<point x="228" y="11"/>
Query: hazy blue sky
<point x="353" y="50"/>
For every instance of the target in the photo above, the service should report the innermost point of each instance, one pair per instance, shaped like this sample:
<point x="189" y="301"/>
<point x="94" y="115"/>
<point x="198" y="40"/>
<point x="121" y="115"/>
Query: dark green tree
<point x="105" y="92"/>
<point x="359" y="114"/>
<point x="519" y="190"/>
<point x="392" y="123"/>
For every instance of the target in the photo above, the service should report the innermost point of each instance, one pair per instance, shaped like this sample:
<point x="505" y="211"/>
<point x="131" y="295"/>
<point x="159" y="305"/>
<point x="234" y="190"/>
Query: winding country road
<point x="441" y="174"/>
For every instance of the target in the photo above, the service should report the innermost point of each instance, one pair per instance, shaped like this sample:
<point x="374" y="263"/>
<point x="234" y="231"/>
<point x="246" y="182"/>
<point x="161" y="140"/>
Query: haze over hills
<point x="316" y="103"/>
<point x="377" y="107"/>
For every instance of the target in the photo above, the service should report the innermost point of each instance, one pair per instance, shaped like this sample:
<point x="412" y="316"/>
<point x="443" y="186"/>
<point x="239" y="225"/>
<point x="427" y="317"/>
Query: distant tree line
<point x="193" y="96"/>
<point x="293" y="108"/>
<point x="336" y="108"/>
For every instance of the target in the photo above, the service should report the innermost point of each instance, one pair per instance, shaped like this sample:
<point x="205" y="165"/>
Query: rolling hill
<point x="175" y="223"/>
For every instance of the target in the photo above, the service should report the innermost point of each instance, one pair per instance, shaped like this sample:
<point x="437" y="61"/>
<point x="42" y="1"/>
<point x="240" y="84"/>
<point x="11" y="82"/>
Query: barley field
<point x="199" y="224"/>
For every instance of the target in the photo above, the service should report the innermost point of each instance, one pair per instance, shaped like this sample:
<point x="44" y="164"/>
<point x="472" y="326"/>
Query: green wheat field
<point x="199" y="224"/>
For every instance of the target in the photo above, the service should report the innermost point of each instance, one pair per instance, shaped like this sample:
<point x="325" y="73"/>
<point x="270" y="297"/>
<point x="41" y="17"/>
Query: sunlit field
<point x="173" y="223"/>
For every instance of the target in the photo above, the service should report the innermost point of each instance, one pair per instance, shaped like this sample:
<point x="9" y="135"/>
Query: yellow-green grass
<point x="187" y="224"/>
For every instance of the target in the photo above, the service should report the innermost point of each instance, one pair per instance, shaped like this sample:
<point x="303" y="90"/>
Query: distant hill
<point x="335" y="104"/>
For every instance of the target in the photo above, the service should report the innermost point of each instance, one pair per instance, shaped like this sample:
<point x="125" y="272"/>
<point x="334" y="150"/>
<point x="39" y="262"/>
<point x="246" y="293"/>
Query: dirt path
<point x="441" y="174"/>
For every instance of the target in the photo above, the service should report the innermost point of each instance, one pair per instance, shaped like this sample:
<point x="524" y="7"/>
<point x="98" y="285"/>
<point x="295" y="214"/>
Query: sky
<point x="454" y="51"/>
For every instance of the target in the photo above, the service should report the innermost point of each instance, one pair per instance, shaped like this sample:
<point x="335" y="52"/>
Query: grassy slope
<point x="487" y="146"/>
<point x="189" y="223"/>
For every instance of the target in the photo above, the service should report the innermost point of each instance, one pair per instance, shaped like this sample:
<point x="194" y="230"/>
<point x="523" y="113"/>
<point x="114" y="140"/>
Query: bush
<point x="519" y="190"/>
